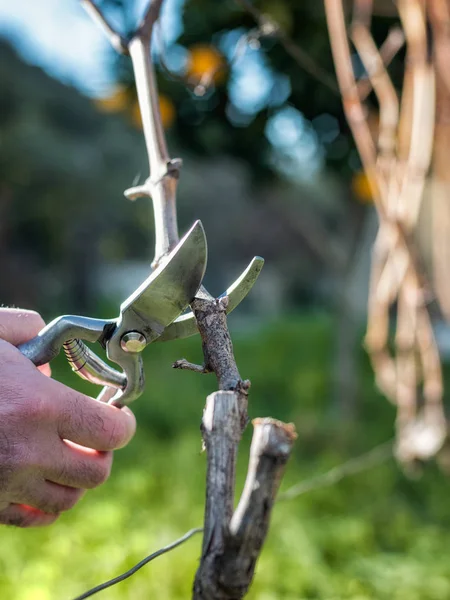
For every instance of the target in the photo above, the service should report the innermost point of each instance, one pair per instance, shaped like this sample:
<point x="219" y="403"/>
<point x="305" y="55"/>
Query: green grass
<point x="376" y="535"/>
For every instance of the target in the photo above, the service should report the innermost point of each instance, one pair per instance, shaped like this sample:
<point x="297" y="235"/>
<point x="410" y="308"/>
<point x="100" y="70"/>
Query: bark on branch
<point x="232" y="542"/>
<point x="269" y="453"/>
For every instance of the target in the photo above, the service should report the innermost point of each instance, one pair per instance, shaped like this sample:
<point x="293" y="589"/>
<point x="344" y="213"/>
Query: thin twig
<point x="386" y="94"/>
<point x="149" y="19"/>
<point x="118" y="42"/>
<point x="397" y="169"/>
<point x="354" y="110"/>
<point x="440" y="185"/>
<point x="362" y="12"/>
<point x="391" y="45"/>
<point x="382" y="270"/>
<point x="439" y="12"/>
<point x="182" y="363"/>
<point x="140" y="564"/>
<point x="410" y="199"/>
<point x="162" y="183"/>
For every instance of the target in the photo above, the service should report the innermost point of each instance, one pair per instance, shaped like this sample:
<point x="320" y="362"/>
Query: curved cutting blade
<point x="169" y="289"/>
<point x="186" y="325"/>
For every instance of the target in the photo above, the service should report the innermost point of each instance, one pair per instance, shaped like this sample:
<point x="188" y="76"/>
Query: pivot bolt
<point x="133" y="341"/>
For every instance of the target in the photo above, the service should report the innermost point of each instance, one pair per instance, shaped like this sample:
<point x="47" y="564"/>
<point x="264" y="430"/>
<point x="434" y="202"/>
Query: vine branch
<point x="396" y="164"/>
<point x="231" y="542"/>
<point x="117" y="41"/>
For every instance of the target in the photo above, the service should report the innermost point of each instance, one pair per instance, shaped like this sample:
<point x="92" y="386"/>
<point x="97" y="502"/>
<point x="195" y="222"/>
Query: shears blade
<point x="186" y="325"/>
<point x="166" y="293"/>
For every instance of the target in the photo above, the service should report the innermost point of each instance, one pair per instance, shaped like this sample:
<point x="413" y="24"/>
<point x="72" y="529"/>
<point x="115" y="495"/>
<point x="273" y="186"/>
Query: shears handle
<point x="48" y="343"/>
<point x="67" y="332"/>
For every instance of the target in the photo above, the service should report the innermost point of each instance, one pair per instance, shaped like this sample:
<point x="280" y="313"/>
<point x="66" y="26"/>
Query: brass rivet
<point x="133" y="341"/>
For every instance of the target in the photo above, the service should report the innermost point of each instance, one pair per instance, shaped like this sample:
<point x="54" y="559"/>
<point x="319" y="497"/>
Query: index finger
<point x="18" y="326"/>
<point x="89" y="422"/>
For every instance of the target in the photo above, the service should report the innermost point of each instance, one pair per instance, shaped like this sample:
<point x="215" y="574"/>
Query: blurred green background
<point x="270" y="168"/>
<point x="376" y="535"/>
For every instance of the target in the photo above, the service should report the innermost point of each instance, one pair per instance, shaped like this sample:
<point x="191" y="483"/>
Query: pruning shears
<point x="149" y="314"/>
<point x="144" y="315"/>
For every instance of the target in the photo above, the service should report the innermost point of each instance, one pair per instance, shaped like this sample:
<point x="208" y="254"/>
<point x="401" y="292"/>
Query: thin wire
<point x="366" y="461"/>
<point x="139" y="565"/>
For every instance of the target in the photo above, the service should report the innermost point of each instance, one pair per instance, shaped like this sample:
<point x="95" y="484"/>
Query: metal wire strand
<point x="139" y="565"/>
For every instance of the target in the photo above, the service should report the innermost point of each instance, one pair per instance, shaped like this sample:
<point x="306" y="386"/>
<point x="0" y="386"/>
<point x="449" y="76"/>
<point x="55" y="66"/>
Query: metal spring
<point x="89" y="366"/>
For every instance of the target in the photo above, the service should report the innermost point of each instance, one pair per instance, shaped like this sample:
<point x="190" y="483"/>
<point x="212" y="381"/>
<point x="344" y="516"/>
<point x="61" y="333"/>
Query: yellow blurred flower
<point x="119" y="100"/>
<point x="206" y="61"/>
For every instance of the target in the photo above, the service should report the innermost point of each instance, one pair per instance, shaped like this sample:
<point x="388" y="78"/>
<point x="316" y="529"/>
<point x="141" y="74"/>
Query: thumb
<point x="18" y="326"/>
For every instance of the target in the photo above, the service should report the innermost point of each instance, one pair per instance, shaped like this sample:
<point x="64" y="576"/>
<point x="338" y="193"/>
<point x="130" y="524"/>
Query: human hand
<point x="54" y="442"/>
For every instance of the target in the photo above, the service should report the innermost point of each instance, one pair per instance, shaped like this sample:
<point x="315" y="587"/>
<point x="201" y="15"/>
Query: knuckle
<point x="77" y="418"/>
<point x="23" y="399"/>
<point x="50" y="505"/>
<point x="99" y="473"/>
<point x="98" y="426"/>
<point x="14" y="461"/>
<point x="6" y="461"/>
<point x="69" y="499"/>
<point x="6" y="475"/>
<point x="88" y="474"/>
<point x="22" y="459"/>
<point x="117" y="434"/>
<point x="63" y="475"/>
<point x="64" y="500"/>
<point x="71" y="417"/>
<point x="33" y="407"/>
<point x="22" y="324"/>
<point x="34" y="320"/>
